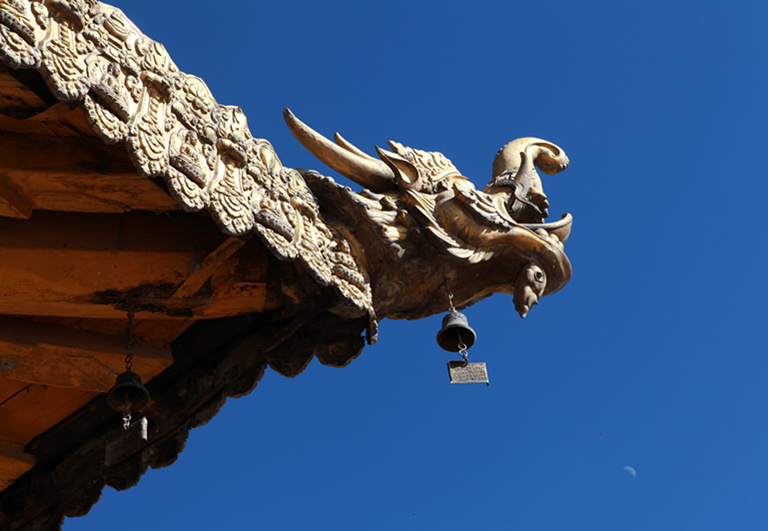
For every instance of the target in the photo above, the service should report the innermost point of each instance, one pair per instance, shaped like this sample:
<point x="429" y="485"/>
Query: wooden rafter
<point x="13" y="462"/>
<point x="58" y="356"/>
<point x="74" y="174"/>
<point x="95" y="266"/>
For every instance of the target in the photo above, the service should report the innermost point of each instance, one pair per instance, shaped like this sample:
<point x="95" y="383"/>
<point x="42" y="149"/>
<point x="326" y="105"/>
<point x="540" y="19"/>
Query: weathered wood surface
<point x="215" y="359"/>
<point x="67" y="252"/>
<point x="13" y="462"/>
<point x="35" y="408"/>
<point x="18" y="99"/>
<point x="100" y="266"/>
<point x="75" y="174"/>
<point x="62" y="357"/>
<point x="71" y="265"/>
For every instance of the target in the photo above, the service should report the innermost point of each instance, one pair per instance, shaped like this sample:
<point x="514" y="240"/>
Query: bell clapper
<point x="127" y="414"/>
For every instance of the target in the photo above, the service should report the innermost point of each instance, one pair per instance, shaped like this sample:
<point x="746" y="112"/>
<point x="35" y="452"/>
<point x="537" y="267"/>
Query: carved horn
<point x="546" y="155"/>
<point x="406" y="174"/>
<point x="344" y="158"/>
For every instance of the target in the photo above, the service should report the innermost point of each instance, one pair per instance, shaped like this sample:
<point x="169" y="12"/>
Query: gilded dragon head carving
<point x="422" y="230"/>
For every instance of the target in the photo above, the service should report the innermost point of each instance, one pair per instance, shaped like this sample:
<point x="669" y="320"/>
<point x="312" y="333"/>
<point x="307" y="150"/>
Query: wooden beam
<point x="36" y="408"/>
<point x="13" y="203"/>
<point x="76" y="174"/>
<point x="57" y="356"/>
<point x="99" y="266"/>
<point x="59" y="120"/>
<point x="9" y="388"/>
<point x="156" y="332"/>
<point x="210" y="264"/>
<point x="78" y="156"/>
<point x="16" y="98"/>
<point x="55" y="112"/>
<point x="13" y="462"/>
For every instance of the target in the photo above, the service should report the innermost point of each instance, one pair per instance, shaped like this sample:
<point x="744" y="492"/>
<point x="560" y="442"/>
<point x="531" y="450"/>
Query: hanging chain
<point x="463" y="350"/>
<point x="129" y="343"/>
<point x="128" y="367"/>
<point x="451" y="307"/>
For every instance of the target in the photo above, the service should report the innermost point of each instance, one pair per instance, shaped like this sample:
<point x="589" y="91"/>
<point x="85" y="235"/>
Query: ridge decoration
<point x="434" y="229"/>
<point x="131" y="92"/>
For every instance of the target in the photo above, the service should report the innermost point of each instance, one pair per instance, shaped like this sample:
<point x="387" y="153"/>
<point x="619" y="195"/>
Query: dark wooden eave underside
<point x="83" y="240"/>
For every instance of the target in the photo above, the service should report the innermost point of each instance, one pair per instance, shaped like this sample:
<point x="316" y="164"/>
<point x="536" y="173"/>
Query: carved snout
<point x="529" y="288"/>
<point x="343" y="157"/>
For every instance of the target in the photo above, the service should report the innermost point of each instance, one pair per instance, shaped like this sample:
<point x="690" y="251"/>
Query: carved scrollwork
<point x="131" y="92"/>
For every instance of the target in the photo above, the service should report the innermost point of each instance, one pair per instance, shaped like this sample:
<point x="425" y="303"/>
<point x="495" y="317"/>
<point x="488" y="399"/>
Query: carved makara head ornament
<point x="479" y="242"/>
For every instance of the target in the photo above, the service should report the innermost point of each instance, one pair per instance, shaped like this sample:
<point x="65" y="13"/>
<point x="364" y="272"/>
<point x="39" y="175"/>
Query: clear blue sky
<point x="652" y="357"/>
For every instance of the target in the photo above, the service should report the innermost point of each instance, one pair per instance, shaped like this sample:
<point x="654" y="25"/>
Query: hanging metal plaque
<point x="127" y="443"/>
<point x="465" y="372"/>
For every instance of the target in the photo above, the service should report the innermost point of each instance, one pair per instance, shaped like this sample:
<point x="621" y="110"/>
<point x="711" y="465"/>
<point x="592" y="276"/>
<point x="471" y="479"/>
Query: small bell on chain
<point x="128" y="394"/>
<point x="455" y="332"/>
<point x="457" y="336"/>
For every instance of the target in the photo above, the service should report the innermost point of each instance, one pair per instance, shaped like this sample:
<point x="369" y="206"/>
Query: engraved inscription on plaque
<point x="463" y="372"/>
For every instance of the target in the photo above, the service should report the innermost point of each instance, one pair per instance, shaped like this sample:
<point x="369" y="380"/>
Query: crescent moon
<point x="631" y="471"/>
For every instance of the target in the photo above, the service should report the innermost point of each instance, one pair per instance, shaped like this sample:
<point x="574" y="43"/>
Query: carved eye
<point x="538" y="275"/>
